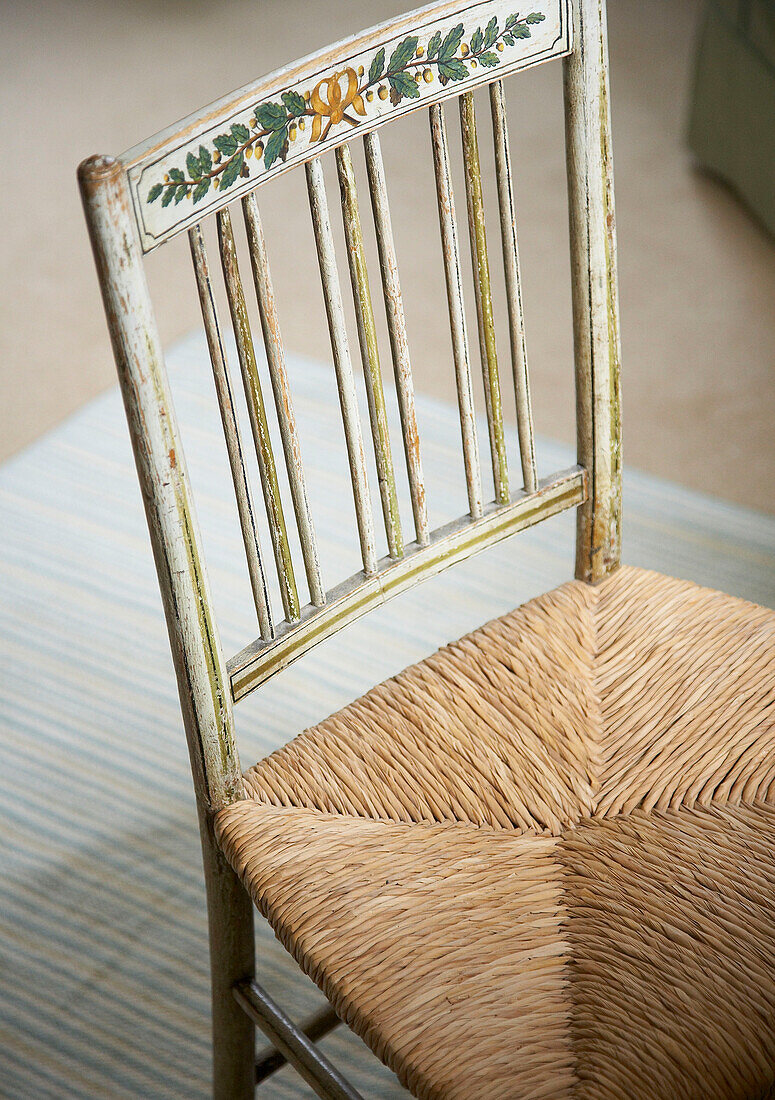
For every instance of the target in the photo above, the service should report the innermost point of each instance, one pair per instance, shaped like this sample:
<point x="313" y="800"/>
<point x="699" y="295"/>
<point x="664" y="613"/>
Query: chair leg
<point x="232" y="959"/>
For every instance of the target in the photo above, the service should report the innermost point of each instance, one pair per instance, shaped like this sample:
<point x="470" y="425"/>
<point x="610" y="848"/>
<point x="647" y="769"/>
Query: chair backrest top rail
<point x="354" y="597"/>
<point x="208" y="159"/>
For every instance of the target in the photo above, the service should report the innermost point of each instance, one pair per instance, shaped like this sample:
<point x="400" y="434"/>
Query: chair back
<point x="211" y="167"/>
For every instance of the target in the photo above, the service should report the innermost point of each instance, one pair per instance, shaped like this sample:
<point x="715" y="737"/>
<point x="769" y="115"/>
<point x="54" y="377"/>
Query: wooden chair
<point x="538" y="863"/>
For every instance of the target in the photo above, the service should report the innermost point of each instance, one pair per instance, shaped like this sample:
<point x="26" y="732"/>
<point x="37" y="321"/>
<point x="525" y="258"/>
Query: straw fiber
<point x="540" y="863"/>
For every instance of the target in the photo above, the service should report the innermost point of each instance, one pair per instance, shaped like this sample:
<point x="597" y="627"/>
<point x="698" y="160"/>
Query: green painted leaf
<point x="225" y="144"/>
<point x="450" y="44"/>
<point x="535" y="17"/>
<point x="194" y="167"/>
<point x="205" y="159"/>
<point x="377" y="66"/>
<point x="489" y="59"/>
<point x="169" y="194"/>
<point x="240" y="133"/>
<point x="402" y="54"/>
<point x="155" y="191"/>
<point x="508" y="40"/>
<point x="453" y="70"/>
<point x="511" y="20"/>
<point x="232" y="171"/>
<point x="491" y="34"/>
<point x="176" y="176"/>
<point x="181" y="193"/>
<point x="274" y="147"/>
<point x="477" y="40"/>
<point x="433" y="45"/>
<point x="294" y="102"/>
<point x="271" y="116"/>
<point x="404" y="84"/>
<point x="521" y="31"/>
<point x="201" y="190"/>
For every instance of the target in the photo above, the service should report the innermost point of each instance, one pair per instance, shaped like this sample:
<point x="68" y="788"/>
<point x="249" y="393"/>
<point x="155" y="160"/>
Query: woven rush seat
<point x="540" y="862"/>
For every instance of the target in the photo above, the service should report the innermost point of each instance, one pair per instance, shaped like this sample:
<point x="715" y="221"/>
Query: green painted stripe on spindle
<point x="476" y="223"/>
<point x="367" y="334"/>
<point x="255" y="398"/>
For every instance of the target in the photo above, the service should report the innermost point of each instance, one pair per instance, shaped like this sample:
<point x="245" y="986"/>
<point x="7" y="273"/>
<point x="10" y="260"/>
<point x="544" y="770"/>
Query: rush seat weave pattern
<point x="540" y="863"/>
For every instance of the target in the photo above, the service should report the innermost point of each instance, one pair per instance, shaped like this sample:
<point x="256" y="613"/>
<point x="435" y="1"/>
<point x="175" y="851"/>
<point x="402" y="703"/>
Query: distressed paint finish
<point x="508" y="222"/>
<point x="483" y="291"/>
<point x="297" y="113"/>
<point x="449" y="545"/>
<point x="332" y="295"/>
<point x="399" y="344"/>
<point x="457" y="314"/>
<point x="367" y="338"/>
<point x="205" y="698"/>
<point x="275" y="354"/>
<point x="118" y="202"/>
<point x="258" y="421"/>
<point x="595" y="291"/>
<point x="231" y="432"/>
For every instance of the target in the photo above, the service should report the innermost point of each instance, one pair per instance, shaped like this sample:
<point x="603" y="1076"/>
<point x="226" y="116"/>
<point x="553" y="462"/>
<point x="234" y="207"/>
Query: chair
<point x="538" y="863"/>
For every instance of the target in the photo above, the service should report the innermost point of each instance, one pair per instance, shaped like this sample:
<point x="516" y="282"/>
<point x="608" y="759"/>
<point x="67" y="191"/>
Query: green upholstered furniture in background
<point x="732" y="115"/>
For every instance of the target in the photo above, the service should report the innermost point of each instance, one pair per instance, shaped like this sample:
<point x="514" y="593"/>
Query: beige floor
<point x="697" y="275"/>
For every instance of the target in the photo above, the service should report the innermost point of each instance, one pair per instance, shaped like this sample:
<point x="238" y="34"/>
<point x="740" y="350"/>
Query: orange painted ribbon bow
<point x="335" y="104"/>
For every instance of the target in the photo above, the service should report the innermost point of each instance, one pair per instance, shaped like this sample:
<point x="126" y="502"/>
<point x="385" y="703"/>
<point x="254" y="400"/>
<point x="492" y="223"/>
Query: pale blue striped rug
<point x="103" y="956"/>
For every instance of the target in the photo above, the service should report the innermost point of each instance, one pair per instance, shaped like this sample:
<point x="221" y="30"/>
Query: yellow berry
<point x="370" y="95"/>
<point x="499" y="47"/>
<point x="249" y="152"/>
<point x="217" y="156"/>
<point x="360" y="70"/>
<point x="259" y="148"/>
<point x="420" y="51"/>
<point x="166" y="178"/>
<point x="252" y="122"/>
<point x="306" y="97"/>
<point x="215" y="184"/>
<point x="463" y="49"/>
<point x="473" y="62"/>
<point x="427" y="76"/>
<point x="383" y="92"/>
<point x="292" y="133"/>
<point x="417" y="78"/>
<point x="302" y="124"/>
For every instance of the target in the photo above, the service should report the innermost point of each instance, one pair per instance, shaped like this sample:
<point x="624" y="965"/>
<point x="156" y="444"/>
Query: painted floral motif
<point x="337" y="99"/>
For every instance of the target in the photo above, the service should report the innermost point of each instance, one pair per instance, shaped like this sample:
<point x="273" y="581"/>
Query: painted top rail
<point x="208" y="159"/>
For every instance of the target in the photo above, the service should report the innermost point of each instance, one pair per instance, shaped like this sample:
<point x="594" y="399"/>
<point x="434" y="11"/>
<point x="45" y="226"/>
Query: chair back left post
<point x="205" y="696"/>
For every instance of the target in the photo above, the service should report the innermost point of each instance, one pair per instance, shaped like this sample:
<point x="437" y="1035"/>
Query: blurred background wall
<point x="697" y="272"/>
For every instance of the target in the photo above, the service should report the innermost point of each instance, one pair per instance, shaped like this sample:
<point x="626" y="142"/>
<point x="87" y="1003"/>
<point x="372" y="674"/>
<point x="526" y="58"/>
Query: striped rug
<point x="103" y="956"/>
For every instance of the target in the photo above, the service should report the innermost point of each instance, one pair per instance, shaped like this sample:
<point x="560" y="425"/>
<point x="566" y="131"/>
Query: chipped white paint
<point x="595" y="291"/>
<point x="399" y="343"/>
<point x="332" y="295"/>
<point x="275" y="355"/>
<point x="513" y="285"/>
<point x="457" y="314"/>
<point x="231" y="431"/>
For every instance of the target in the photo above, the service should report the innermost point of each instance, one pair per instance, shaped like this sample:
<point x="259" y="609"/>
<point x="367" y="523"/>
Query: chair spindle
<point x="275" y="354"/>
<point x="513" y="286"/>
<point x="231" y="432"/>
<point x="367" y="338"/>
<point x="399" y="344"/>
<point x="255" y="401"/>
<point x="457" y="319"/>
<point x="332" y="296"/>
<point x="483" y="292"/>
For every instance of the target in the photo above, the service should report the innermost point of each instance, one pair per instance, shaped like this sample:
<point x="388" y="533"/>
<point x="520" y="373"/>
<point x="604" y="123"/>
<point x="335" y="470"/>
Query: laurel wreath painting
<point x="338" y="98"/>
